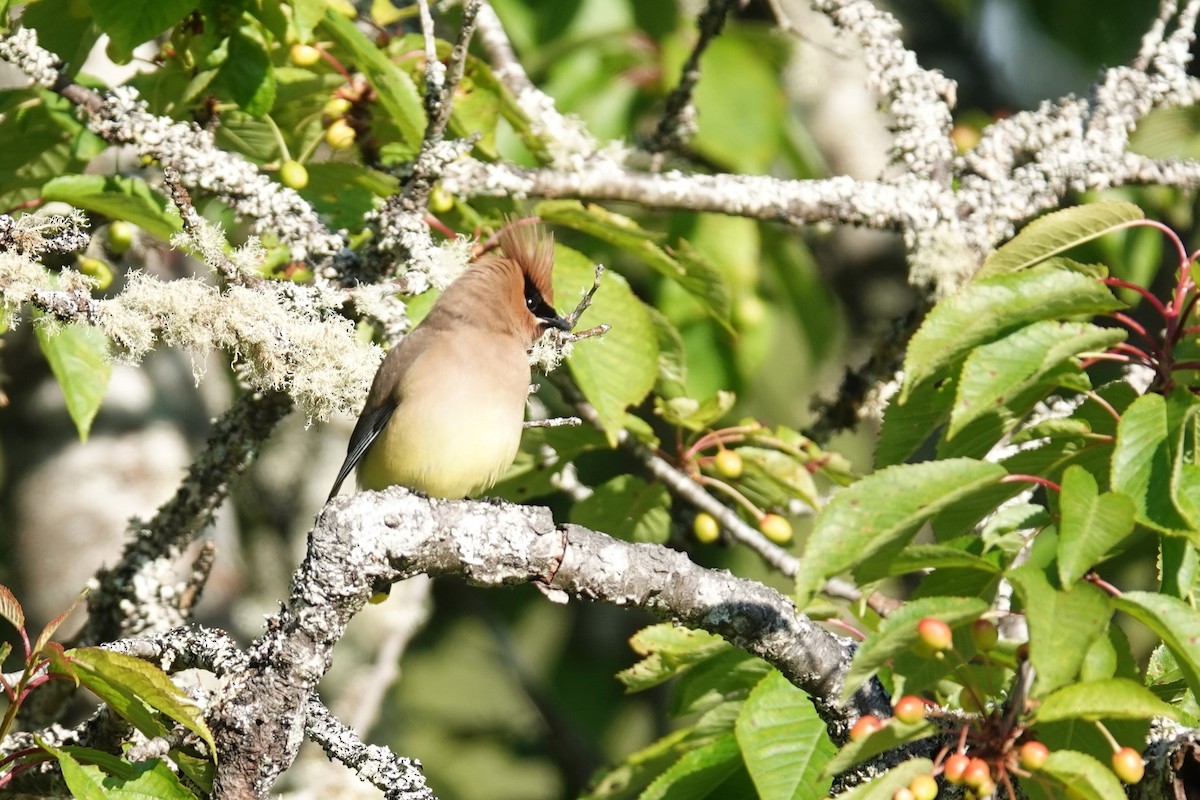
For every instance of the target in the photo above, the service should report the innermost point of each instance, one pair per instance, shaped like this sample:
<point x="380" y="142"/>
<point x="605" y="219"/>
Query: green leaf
<point x="885" y="509"/>
<point x="628" y="508"/>
<point x="986" y="309"/>
<point x="130" y="22"/>
<point x="910" y="420"/>
<point x="775" y="478"/>
<point x="52" y="626"/>
<point x="1062" y="625"/>
<point x="247" y="75"/>
<point x="618" y="369"/>
<point x="1082" y="776"/>
<point x="1175" y="622"/>
<point x="784" y="743"/>
<point x="684" y="264"/>
<point x="893" y="734"/>
<point x="120" y="198"/>
<point x="667" y="650"/>
<point x="78" y="357"/>
<point x="1091" y="524"/>
<point x="109" y="777"/>
<point x="1113" y="698"/>
<point x="698" y="772"/>
<point x="131" y="687"/>
<point x="917" y="557"/>
<point x="85" y="783"/>
<point x="689" y="413"/>
<point x="897" y="634"/>
<point x="10" y="608"/>
<point x="993" y="374"/>
<point x="886" y="785"/>
<point x="1145" y="456"/>
<point x="397" y="93"/>
<point x="1056" y="233"/>
<point x="726" y="676"/>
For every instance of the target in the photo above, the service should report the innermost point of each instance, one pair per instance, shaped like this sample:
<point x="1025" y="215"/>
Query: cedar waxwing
<point x="445" y="411"/>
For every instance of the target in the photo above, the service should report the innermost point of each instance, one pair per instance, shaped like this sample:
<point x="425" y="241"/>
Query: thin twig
<point x="678" y="122"/>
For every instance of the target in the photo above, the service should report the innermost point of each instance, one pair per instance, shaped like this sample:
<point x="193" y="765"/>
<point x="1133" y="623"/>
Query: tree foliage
<point x="1017" y="556"/>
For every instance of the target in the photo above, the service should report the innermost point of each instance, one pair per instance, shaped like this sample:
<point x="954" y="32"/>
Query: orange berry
<point x="1033" y="755"/>
<point x="933" y="636"/>
<point x="955" y="766"/>
<point x="909" y="709"/>
<point x="977" y="774"/>
<point x="866" y="725"/>
<point x="1128" y="765"/>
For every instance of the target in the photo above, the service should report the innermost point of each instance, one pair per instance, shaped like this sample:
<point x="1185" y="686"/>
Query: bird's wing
<point x="366" y="431"/>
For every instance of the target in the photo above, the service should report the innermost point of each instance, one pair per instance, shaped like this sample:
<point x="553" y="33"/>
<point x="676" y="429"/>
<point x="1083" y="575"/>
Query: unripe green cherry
<point x="923" y="787"/>
<point x="705" y="528"/>
<point x="97" y="269"/>
<point x="339" y="135"/>
<point x="728" y="464"/>
<point x="336" y="107"/>
<point x="775" y="528"/>
<point x="120" y="236"/>
<point x="304" y="55"/>
<point x="293" y="175"/>
<point x="984" y="635"/>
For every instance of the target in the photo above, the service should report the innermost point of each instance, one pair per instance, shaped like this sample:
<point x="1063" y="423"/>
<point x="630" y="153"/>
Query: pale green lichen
<point x="274" y="342"/>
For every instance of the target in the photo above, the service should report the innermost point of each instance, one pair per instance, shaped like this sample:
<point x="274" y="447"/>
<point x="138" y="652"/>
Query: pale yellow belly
<point x="454" y="441"/>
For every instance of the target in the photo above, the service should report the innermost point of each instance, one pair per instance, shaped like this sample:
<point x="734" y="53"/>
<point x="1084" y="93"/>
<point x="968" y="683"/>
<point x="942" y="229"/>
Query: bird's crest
<point x="532" y="247"/>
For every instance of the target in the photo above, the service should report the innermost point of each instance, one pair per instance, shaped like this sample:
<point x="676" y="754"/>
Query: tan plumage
<point x="445" y="411"/>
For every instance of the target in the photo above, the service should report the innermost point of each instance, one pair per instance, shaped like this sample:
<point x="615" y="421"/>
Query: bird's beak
<point x="555" y="322"/>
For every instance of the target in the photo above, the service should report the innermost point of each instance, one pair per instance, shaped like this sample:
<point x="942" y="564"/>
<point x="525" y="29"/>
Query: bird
<point x="446" y="409"/>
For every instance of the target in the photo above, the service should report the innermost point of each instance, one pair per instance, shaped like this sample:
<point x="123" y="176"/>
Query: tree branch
<point x="362" y="543"/>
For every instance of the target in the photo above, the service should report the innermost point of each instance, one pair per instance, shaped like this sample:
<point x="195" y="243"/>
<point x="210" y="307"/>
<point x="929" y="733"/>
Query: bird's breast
<point x="458" y="424"/>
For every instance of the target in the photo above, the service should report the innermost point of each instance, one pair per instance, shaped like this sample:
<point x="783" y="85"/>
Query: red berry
<point x="977" y="774"/>
<point x="909" y="709"/>
<point x="923" y="787"/>
<point x="984" y="635"/>
<point x="1033" y="755"/>
<point x="903" y="793"/>
<point x="933" y="636"/>
<point x="1128" y="765"/>
<point x="955" y="767"/>
<point x="866" y="725"/>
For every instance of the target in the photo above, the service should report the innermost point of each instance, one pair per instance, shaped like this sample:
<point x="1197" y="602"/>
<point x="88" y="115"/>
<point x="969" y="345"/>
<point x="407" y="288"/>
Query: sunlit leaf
<point x="1058" y="232"/>
<point x="885" y="509"/>
<point x="783" y="740"/>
